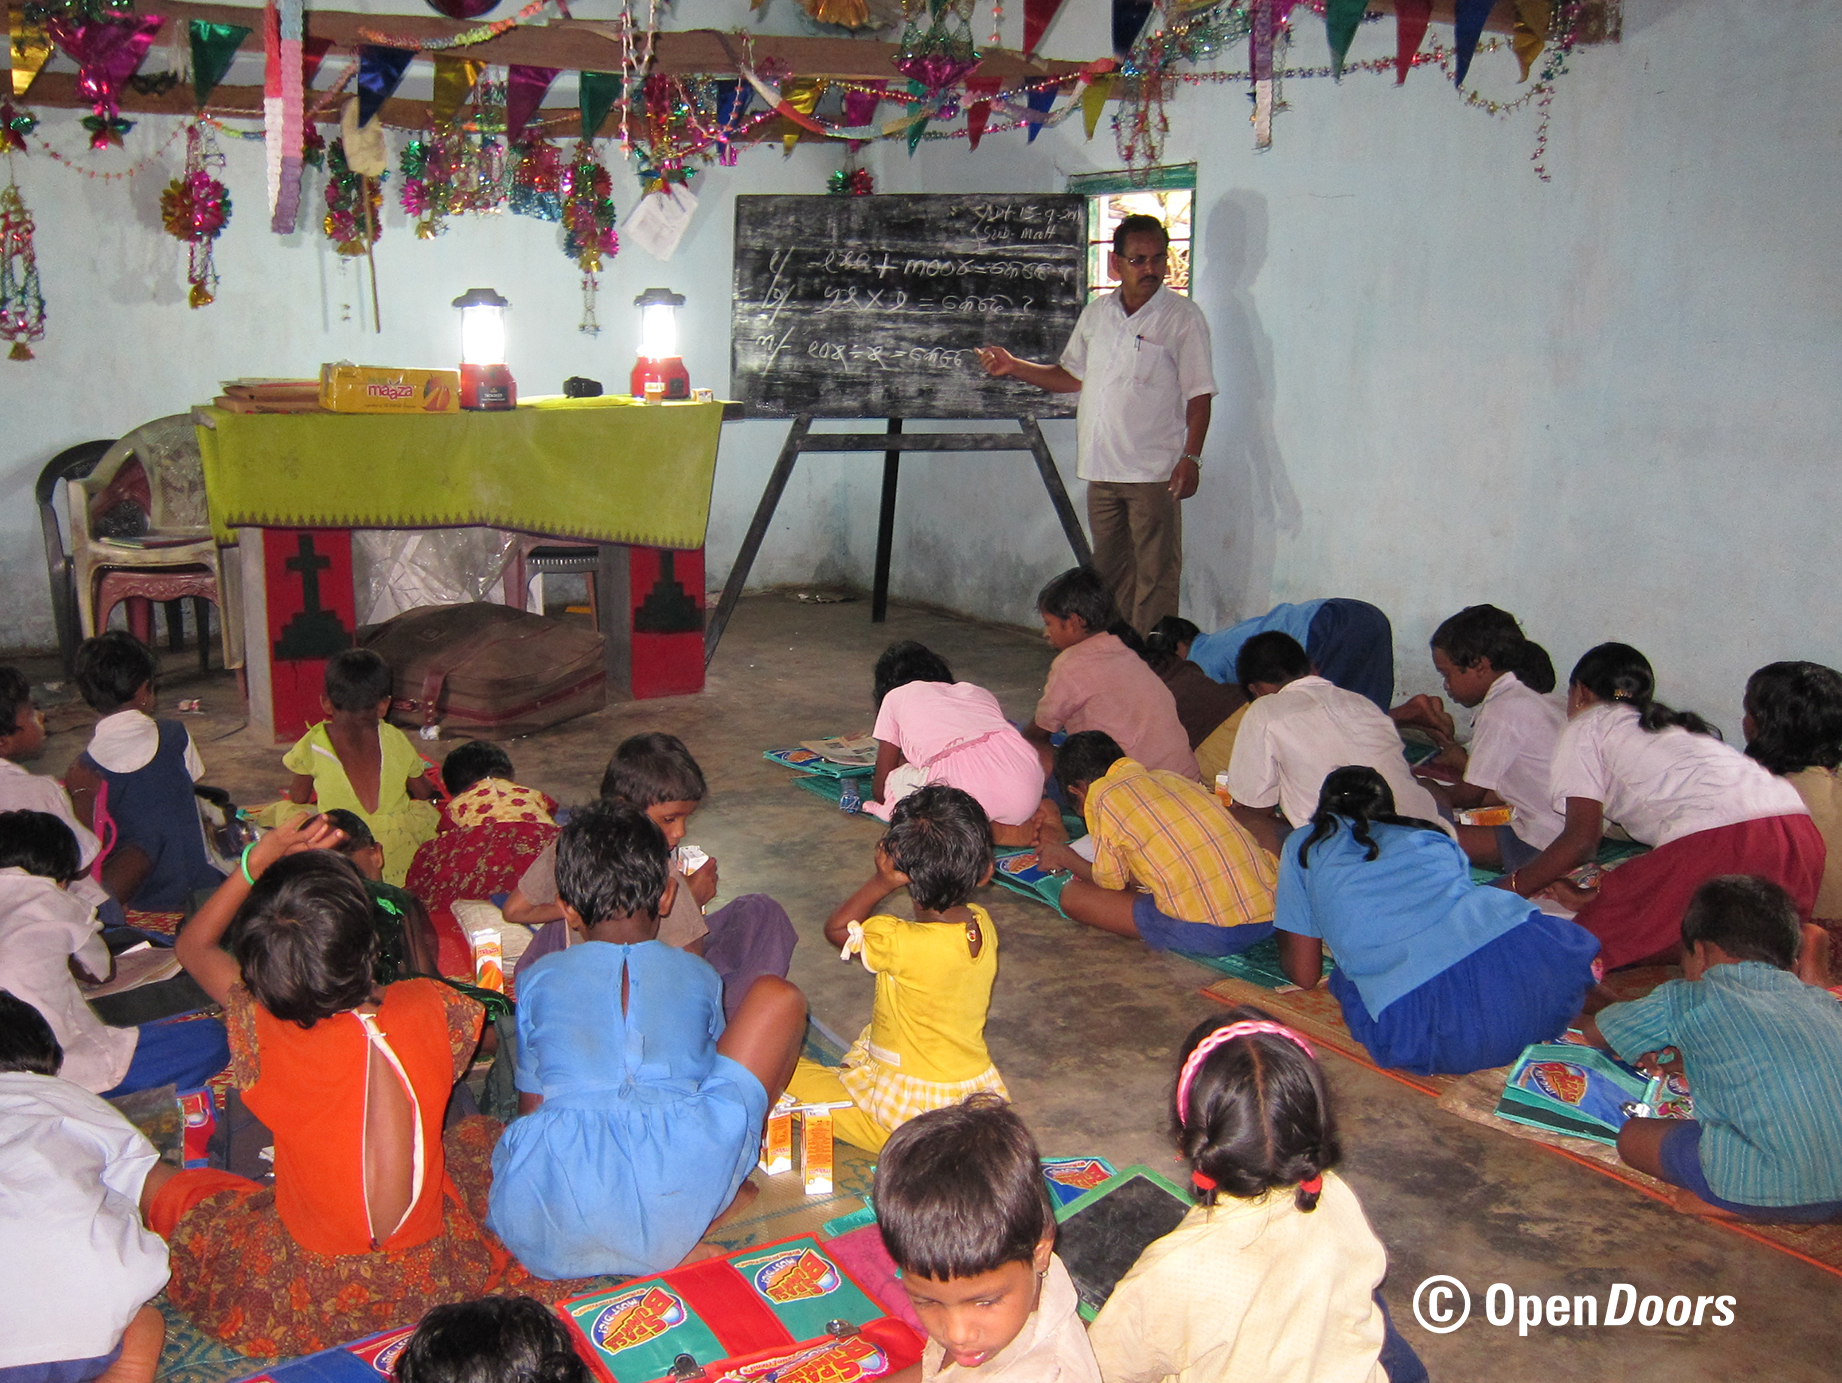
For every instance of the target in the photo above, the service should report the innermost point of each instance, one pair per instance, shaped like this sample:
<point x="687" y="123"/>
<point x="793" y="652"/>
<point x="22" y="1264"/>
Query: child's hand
<point x="887" y="873"/>
<point x="1665" y="1061"/>
<point x="1056" y="856"/>
<point x="703" y="883"/>
<point x="1049" y="824"/>
<point x="292" y="837"/>
<point x="1569" y="897"/>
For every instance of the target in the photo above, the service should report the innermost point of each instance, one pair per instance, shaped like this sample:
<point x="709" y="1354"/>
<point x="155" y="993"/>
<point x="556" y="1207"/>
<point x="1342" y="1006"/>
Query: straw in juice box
<point x="488" y="959"/>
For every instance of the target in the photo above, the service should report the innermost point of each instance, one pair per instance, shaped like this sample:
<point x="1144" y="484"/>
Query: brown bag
<point x="487" y="670"/>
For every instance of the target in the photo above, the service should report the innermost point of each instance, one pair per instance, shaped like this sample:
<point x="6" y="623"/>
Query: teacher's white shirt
<point x="1138" y="374"/>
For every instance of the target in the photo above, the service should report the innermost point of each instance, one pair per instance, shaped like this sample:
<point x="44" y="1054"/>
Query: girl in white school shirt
<point x="1667" y="778"/>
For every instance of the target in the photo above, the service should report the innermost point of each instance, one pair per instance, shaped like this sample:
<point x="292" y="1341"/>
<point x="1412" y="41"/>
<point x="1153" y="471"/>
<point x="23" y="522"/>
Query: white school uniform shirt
<point x="1290" y="742"/>
<point x="1138" y="374"/>
<point x="21" y="791"/>
<point x="41" y="927"/>
<point x="71" y="1171"/>
<point x="1666" y="784"/>
<point x="128" y="740"/>
<point x="1513" y="736"/>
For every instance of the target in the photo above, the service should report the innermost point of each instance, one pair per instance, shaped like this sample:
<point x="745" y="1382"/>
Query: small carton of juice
<point x="777" y="1141"/>
<point x="815" y="1146"/>
<point x="488" y="959"/>
<point x="1485" y="816"/>
<point x="1221" y="789"/>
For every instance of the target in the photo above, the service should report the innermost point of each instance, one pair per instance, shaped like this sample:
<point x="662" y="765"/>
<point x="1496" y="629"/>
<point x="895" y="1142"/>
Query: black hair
<point x="111" y="668"/>
<point x="649" y="769"/>
<point x="1360" y="794"/>
<point x="15" y="696"/>
<point x="473" y="762"/>
<point x="356" y="680"/>
<point x="1747" y="917"/>
<point x="907" y="662"/>
<point x="1478" y="632"/>
<point x="40" y="844"/>
<point x="1797" y="716"/>
<point x="959" y="1191"/>
<point x="1139" y="225"/>
<point x="27" y="1042"/>
<point x="1272" y="656"/>
<point x="1079" y="593"/>
<point x="1618" y="672"/>
<point x="1258" y="1114"/>
<point x="940" y="838"/>
<point x="357" y="830"/>
<point x="304" y="938"/>
<point x="491" y="1340"/>
<point x="1164" y="640"/>
<point x="1086" y="757"/>
<point x="611" y="861"/>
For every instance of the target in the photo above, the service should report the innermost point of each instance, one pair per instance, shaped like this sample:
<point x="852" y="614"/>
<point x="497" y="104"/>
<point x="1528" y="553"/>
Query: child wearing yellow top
<point x="1170" y="865"/>
<point x="355" y="762"/>
<point x="924" y="1047"/>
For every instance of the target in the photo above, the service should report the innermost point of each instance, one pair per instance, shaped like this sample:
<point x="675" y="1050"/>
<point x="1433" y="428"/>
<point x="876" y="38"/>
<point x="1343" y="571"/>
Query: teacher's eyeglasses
<point x="1140" y="261"/>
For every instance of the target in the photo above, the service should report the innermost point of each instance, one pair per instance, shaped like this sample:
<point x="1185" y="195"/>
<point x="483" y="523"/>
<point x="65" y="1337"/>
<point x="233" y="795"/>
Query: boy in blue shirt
<point x="1762" y="1052"/>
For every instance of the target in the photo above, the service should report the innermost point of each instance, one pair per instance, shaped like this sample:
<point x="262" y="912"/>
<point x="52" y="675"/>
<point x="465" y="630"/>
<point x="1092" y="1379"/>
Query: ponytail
<point x="1480" y="632"/>
<point x="1618" y="673"/>
<point x="1361" y="796"/>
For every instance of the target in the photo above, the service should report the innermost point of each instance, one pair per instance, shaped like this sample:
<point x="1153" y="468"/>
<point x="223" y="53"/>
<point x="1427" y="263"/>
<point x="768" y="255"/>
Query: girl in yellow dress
<point x="925" y="1045"/>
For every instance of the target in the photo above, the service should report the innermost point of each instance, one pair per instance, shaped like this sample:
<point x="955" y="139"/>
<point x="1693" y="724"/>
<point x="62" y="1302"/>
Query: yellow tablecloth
<point x="602" y="470"/>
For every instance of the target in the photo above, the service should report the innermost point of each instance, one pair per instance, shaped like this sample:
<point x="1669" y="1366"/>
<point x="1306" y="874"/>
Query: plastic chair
<point x="73" y="463"/>
<point x="176" y="558"/>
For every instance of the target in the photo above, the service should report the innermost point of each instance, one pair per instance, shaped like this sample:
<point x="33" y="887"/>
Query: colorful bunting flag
<point x="380" y="73"/>
<point x="524" y="93"/>
<point x="1040" y="102"/>
<point x="454" y="82"/>
<point x="598" y="92"/>
<point x="1410" y="20"/>
<point x="1094" y="99"/>
<point x="31" y="50"/>
<point x="1340" y="20"/>
<point x="1467" y="29"/>
<point x="1531" y="32"/>
<point x="981" y="89"/>
<point x="799" y="97"/>
<point x="214" y="47"/>
<point x="1037" y="16"/>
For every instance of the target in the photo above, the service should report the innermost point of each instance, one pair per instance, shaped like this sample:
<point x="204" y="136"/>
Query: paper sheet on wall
<point x="659" y="222"/>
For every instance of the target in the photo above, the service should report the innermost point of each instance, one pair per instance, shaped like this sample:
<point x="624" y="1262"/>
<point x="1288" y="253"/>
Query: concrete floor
<point x="1084" y="1025"/>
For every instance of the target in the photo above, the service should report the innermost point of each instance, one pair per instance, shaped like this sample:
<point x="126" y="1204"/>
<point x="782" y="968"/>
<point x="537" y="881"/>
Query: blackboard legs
<point x="757" y="530"/>
<point x="1058" y="494"/>
<point x="885" y="529"/>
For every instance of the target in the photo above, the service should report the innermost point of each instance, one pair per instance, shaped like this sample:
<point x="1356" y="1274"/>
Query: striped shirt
<point x="1763" y="1054"/>
<point x="1163" y="832"/>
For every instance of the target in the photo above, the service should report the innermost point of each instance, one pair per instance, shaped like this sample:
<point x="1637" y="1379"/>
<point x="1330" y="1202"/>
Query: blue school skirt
<point x="1526" y="986"/>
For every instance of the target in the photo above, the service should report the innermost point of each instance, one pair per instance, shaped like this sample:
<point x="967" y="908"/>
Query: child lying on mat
<point x="1762" y="1052"/>
<point x="743" y="940"/>
<point x="961" y="1206"/>
<point x="924" y="1046"/>
<point x="1434" y="973"/>
<point x="931" y="729"/>
<point x="1171" y="866"/>
<point x="640" y="1111"/>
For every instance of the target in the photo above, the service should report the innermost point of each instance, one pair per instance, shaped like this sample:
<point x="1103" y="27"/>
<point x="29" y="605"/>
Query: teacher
<point x="1140" y="360"/>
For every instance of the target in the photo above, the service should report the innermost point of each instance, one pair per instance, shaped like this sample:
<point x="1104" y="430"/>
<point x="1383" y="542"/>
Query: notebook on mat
<point x="807" y="761"/>
<point x="1570" y="1089"/>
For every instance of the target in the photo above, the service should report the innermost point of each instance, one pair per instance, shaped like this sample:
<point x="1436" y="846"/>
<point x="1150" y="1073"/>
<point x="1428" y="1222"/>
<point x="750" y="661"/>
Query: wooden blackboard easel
<point x="892" y="443"/>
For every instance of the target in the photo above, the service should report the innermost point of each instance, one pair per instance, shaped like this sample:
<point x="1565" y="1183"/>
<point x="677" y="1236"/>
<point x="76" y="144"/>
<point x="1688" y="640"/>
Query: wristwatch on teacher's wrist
<point x="1191" y="456"/>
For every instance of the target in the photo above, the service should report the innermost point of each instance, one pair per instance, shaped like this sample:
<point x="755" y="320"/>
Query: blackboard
<point x="1100" y="1236"/>
<point x="874" y="307"/>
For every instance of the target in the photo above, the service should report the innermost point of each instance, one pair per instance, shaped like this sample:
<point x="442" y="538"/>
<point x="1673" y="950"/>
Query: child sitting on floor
<point x="1171" y="867"/>
<point x="1297" y="730"/>
<point x="406" y="942"/>
<point x="1098" y="683"/>
<point x="1434" y="973"/>
<point x="492" y="1340"/>
<point x="963" y="1212"/>
<point x="133" y="785"/>
<point x="743" y="940"/>
<point x="1204" y="705"/>
<point x="1275" y="1274"/>
<point x="1762" y="1052"/>
<point x="24" y="791"/>
<point x="1793" y="727"/>
<point x="356" y="761"/>
<point x="1489" y="666"/>
<point x="931" y="729"/>
<point x="640" y="1112"/>
<point x="75" y="1175"/>
<point x="1667" y="779"/>
<point x="45" y="930"/>
<point x="924" y="1046"/>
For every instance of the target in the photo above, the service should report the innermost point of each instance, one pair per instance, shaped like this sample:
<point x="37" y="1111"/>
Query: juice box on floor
<point x="1485" y="816"/>
<point x="815" y="1146"/>
<point x="386" y="389"/>
<point x="777" y="1140"/>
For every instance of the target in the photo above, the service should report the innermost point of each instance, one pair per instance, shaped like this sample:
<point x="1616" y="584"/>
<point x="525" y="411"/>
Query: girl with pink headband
<point x="1275" y="1274"/>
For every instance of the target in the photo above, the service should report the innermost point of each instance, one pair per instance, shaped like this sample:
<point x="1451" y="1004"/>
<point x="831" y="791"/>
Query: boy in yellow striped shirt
<point x="1171" y="866"/>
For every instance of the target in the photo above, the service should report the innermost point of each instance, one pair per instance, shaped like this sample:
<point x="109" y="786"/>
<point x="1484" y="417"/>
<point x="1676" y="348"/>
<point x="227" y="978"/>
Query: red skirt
<point x="1638" y="912"/>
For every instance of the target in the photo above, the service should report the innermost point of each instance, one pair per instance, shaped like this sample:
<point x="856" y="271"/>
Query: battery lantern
<point x="485" y="384"/>
<point x="659" y="365"/>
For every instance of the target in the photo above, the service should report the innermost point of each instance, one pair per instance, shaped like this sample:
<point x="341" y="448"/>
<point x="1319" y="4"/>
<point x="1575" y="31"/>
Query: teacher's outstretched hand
<point x="1000" y="363"/>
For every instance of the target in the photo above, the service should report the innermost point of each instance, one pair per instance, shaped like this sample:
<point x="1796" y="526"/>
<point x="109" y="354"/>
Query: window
<point x="1166" y="193"/>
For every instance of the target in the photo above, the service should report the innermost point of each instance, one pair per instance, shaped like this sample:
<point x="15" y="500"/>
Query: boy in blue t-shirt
<point x="1762" y="1052"/>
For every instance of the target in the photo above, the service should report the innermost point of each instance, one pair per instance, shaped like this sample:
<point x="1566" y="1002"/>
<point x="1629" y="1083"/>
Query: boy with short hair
<point x="1762" y="1052"/>
<point x="143" y="770"/>
<point x="1298" y="728"/>
<point x="1170" y="866"/>
<point x="744" y="940"/>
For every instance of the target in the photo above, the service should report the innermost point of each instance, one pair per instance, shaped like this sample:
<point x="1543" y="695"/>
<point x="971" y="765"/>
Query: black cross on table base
<point x="314" y="632"/>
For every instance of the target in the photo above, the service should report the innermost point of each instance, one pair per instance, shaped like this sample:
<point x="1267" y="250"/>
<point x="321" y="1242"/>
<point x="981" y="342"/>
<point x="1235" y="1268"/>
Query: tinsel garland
<point x="22" y="303"/>
<point x="450" y="173"/>
<point x="537" y="175"/>
<point x="851" y="182"/>
<point x="195" y="208"/>
<point x="15" y="125"/>
<point x="588" y="223"/>
<point x="347" y="225"/>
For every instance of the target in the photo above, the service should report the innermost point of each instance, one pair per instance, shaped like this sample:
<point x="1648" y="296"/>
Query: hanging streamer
<point x="1467" y="29"/>
<point x="1531" y="32"/>
<point x="214" y="47"/>
<point x="598" y="92"/>
<point x="31" y="51"/>
<point x="22" y="302"/>
<point x="195" y="208"/>
<point x="1410" y="20"/>
<point x="454" y="82"/>
<point x="524" y="93"/>
<point x="107" y="52"/>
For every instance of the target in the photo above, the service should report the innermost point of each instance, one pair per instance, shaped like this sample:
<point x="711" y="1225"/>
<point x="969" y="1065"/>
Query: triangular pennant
<point x="1467" y="29"/>
<point x="1410" y="20"/>
<point x="860" y="103"/>
<point x="982" y="89"/>
<point x="1129" y="18"/>
<point x="524" y="93"/>
<point x="1094" y="99"/>
<point x="1340" y="20"/>
<point x="31" y="50"/>
<point x="214" y="47"/>
<point x="915" y="108"/>
<point x="798" y="99"/>
<point x="454" y="81"/>
<point x="1038" y="15"/>
<point x="380" y="73"/>
<point x="598" y="92"/>
<point x="313" y="53"/>
<point x="1531" y="32"/>
<point x="1040" y="101"/>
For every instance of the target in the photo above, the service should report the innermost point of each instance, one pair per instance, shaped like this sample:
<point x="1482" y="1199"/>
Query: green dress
<point x="400" y="823"/>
